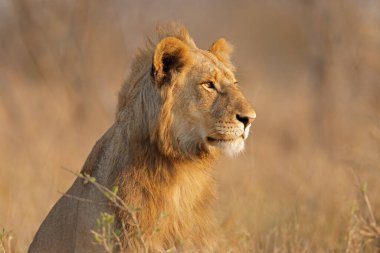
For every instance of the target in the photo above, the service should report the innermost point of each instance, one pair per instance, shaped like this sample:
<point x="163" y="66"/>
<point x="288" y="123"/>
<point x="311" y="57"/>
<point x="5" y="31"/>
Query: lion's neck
<point x="158" y="184"/>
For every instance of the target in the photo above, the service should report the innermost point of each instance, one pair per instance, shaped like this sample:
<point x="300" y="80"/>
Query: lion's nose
<point x="246" y="119"/>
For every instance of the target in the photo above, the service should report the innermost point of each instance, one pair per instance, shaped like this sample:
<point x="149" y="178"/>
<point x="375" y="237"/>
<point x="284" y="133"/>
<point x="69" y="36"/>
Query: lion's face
<point x="209" y="112"/>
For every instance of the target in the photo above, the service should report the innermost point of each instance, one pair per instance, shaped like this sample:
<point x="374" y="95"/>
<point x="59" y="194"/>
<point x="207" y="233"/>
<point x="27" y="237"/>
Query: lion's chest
<point x="176" y="208"/>
<point x="189" y="194"/>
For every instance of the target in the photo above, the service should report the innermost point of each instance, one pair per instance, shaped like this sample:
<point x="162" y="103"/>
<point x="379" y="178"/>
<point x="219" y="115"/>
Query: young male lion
<point x="179" y="109"/>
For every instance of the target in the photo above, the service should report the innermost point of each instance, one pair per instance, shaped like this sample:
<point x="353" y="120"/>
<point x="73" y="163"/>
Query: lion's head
<point x="190" y="98"/>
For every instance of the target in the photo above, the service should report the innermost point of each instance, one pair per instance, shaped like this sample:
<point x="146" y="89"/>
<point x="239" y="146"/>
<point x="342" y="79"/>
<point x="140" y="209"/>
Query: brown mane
<point x="151" y="164"/>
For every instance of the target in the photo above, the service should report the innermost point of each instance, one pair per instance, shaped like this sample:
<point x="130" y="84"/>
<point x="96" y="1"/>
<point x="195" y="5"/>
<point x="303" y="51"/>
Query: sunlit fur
<point x="158" y="150"/>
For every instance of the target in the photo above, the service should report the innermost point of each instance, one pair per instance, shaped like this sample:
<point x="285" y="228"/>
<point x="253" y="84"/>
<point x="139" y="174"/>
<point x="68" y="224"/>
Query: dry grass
<point x="311" y="68"/>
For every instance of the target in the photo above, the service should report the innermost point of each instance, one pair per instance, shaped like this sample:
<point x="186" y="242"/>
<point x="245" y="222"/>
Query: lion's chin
<point x="230" y="148"/>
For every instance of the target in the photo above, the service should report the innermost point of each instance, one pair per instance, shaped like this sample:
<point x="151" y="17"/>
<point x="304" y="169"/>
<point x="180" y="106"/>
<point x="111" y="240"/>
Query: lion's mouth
<point x="229" y="146"/>
<point x="215" y="140"/>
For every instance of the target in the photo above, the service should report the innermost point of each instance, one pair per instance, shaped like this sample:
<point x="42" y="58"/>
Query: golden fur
<point x="179" y="109"/>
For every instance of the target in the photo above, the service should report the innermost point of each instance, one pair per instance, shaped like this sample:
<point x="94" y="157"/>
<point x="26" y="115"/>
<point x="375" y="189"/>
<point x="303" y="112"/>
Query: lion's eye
<point x="209" y="85"/>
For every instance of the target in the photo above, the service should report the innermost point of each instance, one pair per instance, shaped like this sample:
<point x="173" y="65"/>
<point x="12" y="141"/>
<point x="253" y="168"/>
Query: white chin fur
<point x="231" y="148"/>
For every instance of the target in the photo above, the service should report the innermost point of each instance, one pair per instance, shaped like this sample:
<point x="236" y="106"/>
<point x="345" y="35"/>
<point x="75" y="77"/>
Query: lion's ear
<point x="222" y="49"/>
<point x="172" y="56"/>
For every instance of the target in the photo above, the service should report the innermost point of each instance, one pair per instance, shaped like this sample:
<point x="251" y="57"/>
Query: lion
<point x="179" y="110"/>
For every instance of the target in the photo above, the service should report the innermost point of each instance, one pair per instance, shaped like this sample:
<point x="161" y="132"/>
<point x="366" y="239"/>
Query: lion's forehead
<point x="209" y="67"/>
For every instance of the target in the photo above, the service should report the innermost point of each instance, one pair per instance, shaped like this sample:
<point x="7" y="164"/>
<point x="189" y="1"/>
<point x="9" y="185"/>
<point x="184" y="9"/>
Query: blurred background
<point x="309" y="180"/>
